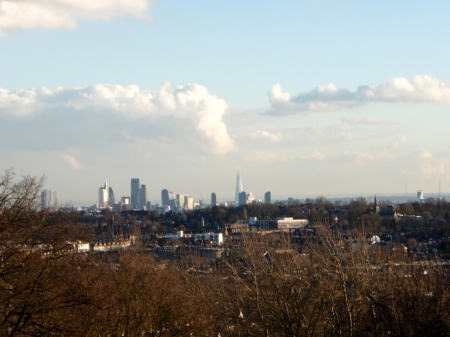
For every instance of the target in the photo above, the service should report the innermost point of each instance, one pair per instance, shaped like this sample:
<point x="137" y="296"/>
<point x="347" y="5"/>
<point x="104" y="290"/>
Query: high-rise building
<point x="242" y="198"/>
<point x="103" y="195"/>
<point x="268" y="197"/>
<point x="49" y="199"/>
<point x="168" y="197"/>
<point x="135" y="193"/>
<point x="143" y="197"/>
<point x="189" y="202"/>
<point x="181" y="200"/>
<point x="250" y="198"/>
<point x="213" y="199"/>
<point x="125" y="204"/>
<point x="239" y="189"/>
<point x="111" y="196"/>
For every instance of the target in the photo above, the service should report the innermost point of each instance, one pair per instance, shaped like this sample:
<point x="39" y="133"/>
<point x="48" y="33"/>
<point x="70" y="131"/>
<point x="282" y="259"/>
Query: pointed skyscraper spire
<point x="239" y="188"/>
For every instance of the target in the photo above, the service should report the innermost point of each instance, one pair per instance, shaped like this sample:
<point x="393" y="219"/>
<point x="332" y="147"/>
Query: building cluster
<point x="49" y="199"/>
<point x="243" y="198"/>
<point x="138" y="199"/>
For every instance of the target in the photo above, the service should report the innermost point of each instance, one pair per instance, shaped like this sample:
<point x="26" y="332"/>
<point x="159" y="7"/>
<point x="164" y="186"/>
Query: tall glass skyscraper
<point x="143" y="197"/>
<point x="103" y="195"/>
<point x="239" y="189"/>
<point x="135" y="193"/>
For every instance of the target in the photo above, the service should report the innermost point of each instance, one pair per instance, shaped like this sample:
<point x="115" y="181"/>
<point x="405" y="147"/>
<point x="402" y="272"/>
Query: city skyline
<point x="307" y="98"/>
<point x="165" y="197"/>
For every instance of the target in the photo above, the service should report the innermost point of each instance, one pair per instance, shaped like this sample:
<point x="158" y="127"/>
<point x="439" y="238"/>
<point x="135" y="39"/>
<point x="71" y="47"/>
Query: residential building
<point x="49" y="199"/>
<point x="268" y="197"/>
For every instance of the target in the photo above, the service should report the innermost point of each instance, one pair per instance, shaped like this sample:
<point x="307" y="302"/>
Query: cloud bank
<point x="421" y="88"/>
<point x="52" y="14"/>
<point x="187" y="116"/>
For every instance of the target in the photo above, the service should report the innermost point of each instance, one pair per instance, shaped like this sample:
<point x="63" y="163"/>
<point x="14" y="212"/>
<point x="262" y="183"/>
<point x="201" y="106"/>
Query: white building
<point x="49" y="199"/>
<point x="103" y="195"/>
<point x="188" y="202"/>
<point x="215" y="238"/>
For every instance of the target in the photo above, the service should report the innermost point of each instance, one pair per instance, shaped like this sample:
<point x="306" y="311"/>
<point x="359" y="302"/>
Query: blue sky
<point x="306" y="97"/>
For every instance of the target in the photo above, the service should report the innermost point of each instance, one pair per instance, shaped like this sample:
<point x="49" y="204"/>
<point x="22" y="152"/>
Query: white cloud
<point x="266" y="135"/>
<point x="421" y="88"/>
<point x="425" y="154"/>
<point x="264" y="157"/>
<point x="312" y="155"/>
<point x="52" y="14"/>
<point x="72" y="161"/>
<point x="365" y="121"/>
<point x="170" y="113"/>
<point x="360" y="158"/>
<point x="434" y="170"/>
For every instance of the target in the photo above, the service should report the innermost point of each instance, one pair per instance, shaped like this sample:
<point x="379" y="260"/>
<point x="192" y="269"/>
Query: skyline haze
<point x="307" y="98"/>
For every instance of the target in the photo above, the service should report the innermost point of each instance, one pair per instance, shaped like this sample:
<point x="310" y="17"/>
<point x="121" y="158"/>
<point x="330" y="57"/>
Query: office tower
<point x="143" y="197"/>
<point x="135" y="195"/>
<point x="213" y="199"/>
<point x="49" y="199"/>
<point x="181" y="202"/>
<point x="168" y="198"/>
<point x="268" y="197"/>
<point x="239" y="189"/>
<point x="103" y="195"/>
<point x="111" y="196"/>
<point x="250" y="198"/>
<point x="242" y="198"/>
<point x="189" y="202"/>
<point x="165" y="197"/>
<point x="125" y="204"/>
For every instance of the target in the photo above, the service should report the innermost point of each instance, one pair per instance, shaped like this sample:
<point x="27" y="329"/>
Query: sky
<point x="306" y="97"/>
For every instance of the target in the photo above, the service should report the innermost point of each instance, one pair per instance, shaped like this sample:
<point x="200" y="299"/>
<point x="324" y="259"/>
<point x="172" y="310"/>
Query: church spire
<point x="376" y="208"/>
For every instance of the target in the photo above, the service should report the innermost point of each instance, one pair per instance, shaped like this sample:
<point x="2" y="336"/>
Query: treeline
<point x="338" y="285"/>
<point x="433" y="214"/>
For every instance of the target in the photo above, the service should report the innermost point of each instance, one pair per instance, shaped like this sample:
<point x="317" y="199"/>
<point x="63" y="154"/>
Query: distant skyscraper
<point x="268" y="197"/>
<point x="49" y="199"/>
<point x="239" y="189"/>
<point x="167" y="198"/>
<point x="181" y="201"/>
<point x="143" y="196"/>
<point x="111" y="196"/>
<point x="242" y="198"/>
<point x="213" y="199"/>
<point x="135" y="193"/>
<point x="103" y="195"/>
<point x="188" y="202"/>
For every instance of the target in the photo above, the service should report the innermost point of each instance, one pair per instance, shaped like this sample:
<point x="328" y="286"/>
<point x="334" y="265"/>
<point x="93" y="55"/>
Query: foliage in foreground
<point x="338" y="286"/>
